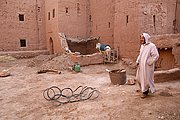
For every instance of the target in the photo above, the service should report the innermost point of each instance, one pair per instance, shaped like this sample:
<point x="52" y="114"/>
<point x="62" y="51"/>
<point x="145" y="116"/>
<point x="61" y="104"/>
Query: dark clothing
<point x="103" y="47"/>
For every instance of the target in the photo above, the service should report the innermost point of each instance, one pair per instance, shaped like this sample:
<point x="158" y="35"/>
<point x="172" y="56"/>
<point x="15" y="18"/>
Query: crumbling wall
<point x="166" y="59"/>
<point x="133" y="17"/>
<point x="167" y="75"/>
<point x="83" y="60"/>
<point x="22" y="20"/>
<point x="169" y="49"/>
<point x="176" y="52"/>
<point x="157" y="16"/>
<point x="84" y="47"/>
<point x="177" y="20"/>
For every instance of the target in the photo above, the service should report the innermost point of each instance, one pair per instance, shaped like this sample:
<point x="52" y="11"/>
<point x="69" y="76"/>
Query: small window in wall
<point x="109" y="25"/>
<point x="90" y="18"/>
<point x="21" y="17"/>
<point x="154" y="20"/>
<point x="127" y="19"/>
<point x="49" y="16"/>
<point x="67" y="10"/>
<point x="53" y="13"/>
<point x="22" y="43"/>
<point x="78" y="8"/>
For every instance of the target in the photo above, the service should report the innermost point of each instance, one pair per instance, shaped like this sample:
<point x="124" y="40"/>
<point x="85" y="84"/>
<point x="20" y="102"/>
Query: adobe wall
<point x="169" y="49"/>
<point x="126" y="28"/>
<point x="132" y="17"/>
<point x="70" y="18"/>
<point x="31" y="29"/>
<point x="52" y="37"/>
<point x="177" y="28"/>
<point x="73" y="18"/>
<point x="101" y="19"/>
<point x="156" y="16"/>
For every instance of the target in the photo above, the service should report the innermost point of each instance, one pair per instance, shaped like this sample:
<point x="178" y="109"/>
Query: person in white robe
<point x="146" y="63"/>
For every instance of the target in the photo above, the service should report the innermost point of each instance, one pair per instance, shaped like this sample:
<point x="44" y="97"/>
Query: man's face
<point x="142" y="40"/>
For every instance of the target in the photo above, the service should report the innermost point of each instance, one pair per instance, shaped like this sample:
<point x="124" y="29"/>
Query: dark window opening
<point x="78" y="8"/>
<point x="53" y="13"/>
<point x="154" y="20"/>
<point x="21" y="17"/>
<point x="109" y="24"/>
<point x="67" y="9"/>
<point x="90" y="18"/>
<point x="49" y="16"/>
<point x="127" y="18"/>
<point x="22" y="43"/>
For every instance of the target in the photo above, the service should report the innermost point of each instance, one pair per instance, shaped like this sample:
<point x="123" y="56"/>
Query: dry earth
<point x="21" y="94"/>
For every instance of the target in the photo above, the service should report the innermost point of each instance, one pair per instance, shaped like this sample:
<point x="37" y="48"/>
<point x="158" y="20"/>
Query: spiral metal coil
<point x="67" y="95"/>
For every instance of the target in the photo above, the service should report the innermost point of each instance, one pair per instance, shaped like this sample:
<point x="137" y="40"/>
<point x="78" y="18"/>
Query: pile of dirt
<point x="40" y="60"/>
<point x="6" y="58"/>
<point x="62" y="62"/>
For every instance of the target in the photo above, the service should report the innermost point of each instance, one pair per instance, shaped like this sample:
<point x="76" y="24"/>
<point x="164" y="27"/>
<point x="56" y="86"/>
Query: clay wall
<point x="117" y="23"/>
<point x="133" y="17"/>
<point x="169" y="50"/>
<point x="156" y="16"/>
<point x="126" y="28"/>
<point x="177" y="22"/>
<point x="102" y="20"/>
<point x="73" y="18"/>
<point x="68" y="17"/>
<point x="51" y="17"/>
<point x="22" y="25"/>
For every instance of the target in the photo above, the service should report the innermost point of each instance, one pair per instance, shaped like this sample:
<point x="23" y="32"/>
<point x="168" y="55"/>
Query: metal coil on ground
<point x="67" y="95"/>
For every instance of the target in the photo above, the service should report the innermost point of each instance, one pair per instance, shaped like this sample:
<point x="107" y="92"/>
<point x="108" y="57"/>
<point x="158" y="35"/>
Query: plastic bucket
<point x="118" y="77"/>
<point x="77" y="67"/>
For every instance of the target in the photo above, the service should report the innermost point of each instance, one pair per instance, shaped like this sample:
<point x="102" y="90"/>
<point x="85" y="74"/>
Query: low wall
<point x="25" y="54"/>
<point x="167" y="75"/>
<point x="84" y="60"/>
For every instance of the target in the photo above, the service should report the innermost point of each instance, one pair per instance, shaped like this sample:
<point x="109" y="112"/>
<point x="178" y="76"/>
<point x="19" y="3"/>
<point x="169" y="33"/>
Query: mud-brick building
<point x="65" y="16"/>
<point x="22" y="25"/>
<point x="29" y="25"/>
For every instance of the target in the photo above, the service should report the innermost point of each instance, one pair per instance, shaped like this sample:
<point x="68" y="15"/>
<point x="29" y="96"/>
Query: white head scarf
<point x="147" y="38"/>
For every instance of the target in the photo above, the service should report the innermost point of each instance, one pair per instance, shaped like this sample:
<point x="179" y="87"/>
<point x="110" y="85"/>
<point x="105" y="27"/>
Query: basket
<point x="118" y="77"/>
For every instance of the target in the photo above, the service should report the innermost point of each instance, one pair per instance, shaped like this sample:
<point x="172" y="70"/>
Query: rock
<point x="4" y="73"/>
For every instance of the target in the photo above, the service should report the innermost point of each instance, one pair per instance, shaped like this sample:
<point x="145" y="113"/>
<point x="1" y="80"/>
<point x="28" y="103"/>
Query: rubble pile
<point x="52" y="62"/>
<point x="39" y="60"/>
<point x="62" y="62"/>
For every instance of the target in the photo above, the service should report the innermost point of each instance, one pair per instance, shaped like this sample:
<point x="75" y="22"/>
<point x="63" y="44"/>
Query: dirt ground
<point x="21" y="94"/>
